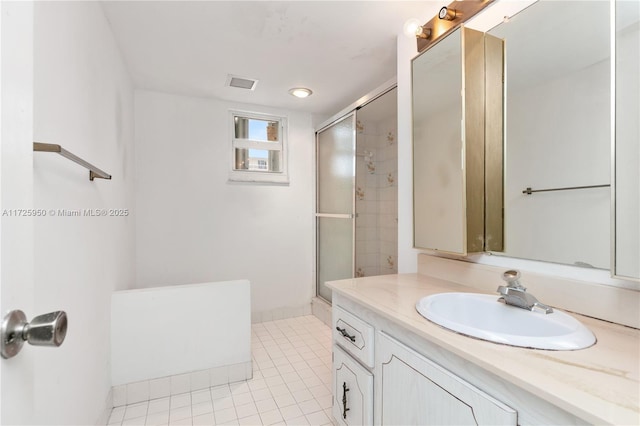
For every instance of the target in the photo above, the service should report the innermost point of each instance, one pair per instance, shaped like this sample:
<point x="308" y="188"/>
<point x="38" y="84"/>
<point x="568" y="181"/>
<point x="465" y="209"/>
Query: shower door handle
<point x="337" y="215"/>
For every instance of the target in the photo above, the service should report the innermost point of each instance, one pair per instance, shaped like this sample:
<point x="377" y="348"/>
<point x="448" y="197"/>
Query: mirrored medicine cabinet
<point x="457" y="157"/>
<point x="567" y="199"/>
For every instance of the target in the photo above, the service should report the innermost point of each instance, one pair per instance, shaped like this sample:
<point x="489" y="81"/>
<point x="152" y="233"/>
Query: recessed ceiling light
<point x="300" y="92"/>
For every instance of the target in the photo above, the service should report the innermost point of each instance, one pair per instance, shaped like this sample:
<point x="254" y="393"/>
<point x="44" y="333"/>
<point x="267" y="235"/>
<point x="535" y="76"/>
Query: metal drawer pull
<point x="345" y="389"/>
<point x="345" y="334"/>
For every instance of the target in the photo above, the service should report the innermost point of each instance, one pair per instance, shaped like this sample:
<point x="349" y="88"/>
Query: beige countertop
<point x="599" y="384"/>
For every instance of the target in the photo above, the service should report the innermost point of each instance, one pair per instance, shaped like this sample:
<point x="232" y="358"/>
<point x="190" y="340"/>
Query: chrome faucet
<point x="515" y="294"/>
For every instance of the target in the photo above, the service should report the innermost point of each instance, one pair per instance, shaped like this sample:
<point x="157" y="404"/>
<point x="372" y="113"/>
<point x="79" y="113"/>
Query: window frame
<point x="259" y="176"/>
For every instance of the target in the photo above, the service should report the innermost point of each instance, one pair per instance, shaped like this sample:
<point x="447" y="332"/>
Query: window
<point x="258" y="148"/>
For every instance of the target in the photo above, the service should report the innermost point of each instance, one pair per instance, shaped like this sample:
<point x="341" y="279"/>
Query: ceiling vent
<point x="241" y="82"/>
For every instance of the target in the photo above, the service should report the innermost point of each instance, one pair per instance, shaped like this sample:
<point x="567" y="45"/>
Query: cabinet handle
<point x="345" y="334"/>
<point x="345" y="389"/>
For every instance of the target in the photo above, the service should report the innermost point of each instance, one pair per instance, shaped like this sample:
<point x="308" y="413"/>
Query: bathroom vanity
<point x="392" y="366"/>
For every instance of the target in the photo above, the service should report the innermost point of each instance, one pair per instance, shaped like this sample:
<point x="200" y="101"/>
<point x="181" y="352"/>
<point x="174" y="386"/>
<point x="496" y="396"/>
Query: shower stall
<point x="357" y="194"/>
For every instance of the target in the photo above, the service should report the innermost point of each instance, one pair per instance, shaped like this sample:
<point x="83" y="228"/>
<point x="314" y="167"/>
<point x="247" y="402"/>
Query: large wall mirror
<point x="559" y="134"/>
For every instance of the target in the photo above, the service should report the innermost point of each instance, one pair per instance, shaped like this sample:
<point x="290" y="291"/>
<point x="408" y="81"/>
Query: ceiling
<point x="339" y="49"/>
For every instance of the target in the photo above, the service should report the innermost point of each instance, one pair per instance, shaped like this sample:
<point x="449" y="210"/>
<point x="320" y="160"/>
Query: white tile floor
<point x="291" y="384"/>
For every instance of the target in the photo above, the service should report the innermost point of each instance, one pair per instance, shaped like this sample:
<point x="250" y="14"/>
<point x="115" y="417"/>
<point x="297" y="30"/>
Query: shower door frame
<point x="350" y="110"/>
<point x="351" y="216"/>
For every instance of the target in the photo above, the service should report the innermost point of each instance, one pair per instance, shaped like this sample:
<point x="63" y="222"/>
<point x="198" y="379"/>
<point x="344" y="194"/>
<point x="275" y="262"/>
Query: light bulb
<point x="412" y="27"/>
<point x="300" y="92"/>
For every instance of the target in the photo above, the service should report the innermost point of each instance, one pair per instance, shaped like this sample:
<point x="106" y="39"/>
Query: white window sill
<point x="263" y="178"/>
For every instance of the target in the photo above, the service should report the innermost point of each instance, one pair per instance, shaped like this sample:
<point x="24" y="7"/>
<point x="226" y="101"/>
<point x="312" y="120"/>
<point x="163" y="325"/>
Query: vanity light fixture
<point x="447" y="14"/>
<point x="445" y="21"/>
<point x="300" y="92"/>
<point x="413" y="28"/>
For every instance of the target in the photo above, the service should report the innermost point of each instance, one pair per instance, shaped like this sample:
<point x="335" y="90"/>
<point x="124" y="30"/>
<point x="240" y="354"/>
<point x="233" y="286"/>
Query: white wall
<point x="406" y="50"/>
<point x="195" y="226"/>
<point x="83" y="101"/>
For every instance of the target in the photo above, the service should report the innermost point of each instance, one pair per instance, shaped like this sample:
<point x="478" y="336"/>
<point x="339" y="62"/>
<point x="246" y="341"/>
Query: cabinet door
<point x="352" y="390"/>
<point x="457" y="152"/>
<point x="438" y="173"/>
<point x="411" y="390"/>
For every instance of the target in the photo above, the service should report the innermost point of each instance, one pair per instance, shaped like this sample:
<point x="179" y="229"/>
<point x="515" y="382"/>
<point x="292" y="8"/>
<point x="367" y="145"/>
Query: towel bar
<point x="530" y="191"/>
<point x="94" y="172"/>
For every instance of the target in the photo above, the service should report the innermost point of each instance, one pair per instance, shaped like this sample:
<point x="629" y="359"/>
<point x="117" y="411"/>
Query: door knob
<point x="44" y="330"/>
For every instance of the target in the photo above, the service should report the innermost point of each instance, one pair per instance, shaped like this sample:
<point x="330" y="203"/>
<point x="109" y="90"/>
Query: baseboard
<point x="321" y="309"/>
<point x="163" y="387"/>
<point x="280" y="313"/>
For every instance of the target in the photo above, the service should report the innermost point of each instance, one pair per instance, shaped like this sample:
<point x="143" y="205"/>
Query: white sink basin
<point x="483" y="317"/>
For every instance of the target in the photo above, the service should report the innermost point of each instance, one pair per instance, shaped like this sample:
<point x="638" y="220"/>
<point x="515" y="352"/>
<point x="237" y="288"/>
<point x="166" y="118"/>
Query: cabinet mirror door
<point x="438" y="180"/>
<point x="458" y="144"/>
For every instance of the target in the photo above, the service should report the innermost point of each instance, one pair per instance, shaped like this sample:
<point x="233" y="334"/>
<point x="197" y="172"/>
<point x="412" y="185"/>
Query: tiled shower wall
<point x="376" y="197"/>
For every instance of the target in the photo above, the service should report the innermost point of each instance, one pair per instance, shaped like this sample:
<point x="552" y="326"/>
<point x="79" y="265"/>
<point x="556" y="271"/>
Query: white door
<point x="16" y="198"/>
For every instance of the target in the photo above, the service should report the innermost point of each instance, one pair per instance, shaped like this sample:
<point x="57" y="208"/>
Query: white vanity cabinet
<point x="412" y="390"/>
<point x="353" y="355"/>
<point x="375" y="373"/>
<point x="395" y="377"/>
<point x="421" y="369"/>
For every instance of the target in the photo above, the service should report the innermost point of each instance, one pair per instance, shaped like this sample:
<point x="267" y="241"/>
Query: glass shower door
<point x="335" y="205"/>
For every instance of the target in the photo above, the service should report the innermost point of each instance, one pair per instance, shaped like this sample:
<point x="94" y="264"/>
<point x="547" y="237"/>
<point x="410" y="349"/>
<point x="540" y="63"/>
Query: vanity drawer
<point x="354" y="335"/>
